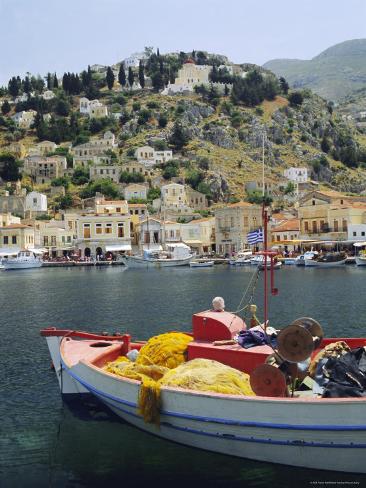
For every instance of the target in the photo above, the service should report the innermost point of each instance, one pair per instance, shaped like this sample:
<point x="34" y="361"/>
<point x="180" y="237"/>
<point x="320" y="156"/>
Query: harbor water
<point x="46" y="441"/>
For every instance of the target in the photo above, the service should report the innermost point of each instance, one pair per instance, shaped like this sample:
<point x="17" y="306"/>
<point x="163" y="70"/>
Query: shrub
<point x="127" y="177"/>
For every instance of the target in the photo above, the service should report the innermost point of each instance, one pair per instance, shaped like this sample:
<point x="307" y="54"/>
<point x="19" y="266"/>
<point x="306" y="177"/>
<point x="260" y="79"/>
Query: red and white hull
<point x="308" y="432"/>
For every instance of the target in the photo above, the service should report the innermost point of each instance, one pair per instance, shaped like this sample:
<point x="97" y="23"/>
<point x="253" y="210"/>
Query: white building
<point x="297" y="175"/>
<point x="93" y="108"/>
<point x="133" y="61"/>
<point x="36" y="202"/>
<point x="189" y="76"/>
<point x="25" y="118"/>
<point x="105" y="172"/>
<point x="94" y="151"/>
<point x="42" y="148"/>
<point x="148" y="156"/>
<point x="356" y="232"/>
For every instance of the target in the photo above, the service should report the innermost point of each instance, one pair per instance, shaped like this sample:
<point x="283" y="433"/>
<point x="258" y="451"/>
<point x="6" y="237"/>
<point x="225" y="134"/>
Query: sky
<point x="38" y="36"/>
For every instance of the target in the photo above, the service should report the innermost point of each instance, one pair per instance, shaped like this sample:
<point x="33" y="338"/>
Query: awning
<point x="193" y="242"/>
<point x="118" y="247"/>
<point x="177" y="244"/>
<point x="38" y="251"/>
<point x="152" y="247"/>
<point x="359" y="244"/>
<point x="9" y="251"/>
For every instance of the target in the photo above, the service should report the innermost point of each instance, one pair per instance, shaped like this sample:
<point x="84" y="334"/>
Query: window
<point x="53" y="240"/>
<point x="313" y="202"/>
<point x="118" y="209"/>
<point x="6" y="240"/>
<point x="13" y="239"/>
<point x="45" y="240"/>
<point x="108" y="228"/>
<point x="354" y="234"/>
<point x="68" y="238"/>
<point x="306" y="226"/>
<point x="285" y="237"/>
<point x="34" y="201"/>
<point x="121" y="229"/>
<point x="86" y="231"/>
<point x="246" y="222"/>
<point x="344" y="225"/>
<point x="315" y="227"/>
<point x="363" y="233"/>
<point x="98" y="229"/>
<point x="336" y="226"/>
<point x="232" y="221"/>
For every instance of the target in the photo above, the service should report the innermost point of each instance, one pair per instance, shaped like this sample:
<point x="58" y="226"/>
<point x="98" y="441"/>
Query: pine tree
<point x="5" y="107"/>
<point x="66" y="82"/>
<point x="284" y="85"/>
<point x="13" y="87"/>
<point x="157" y="81"/>
<point x="141" y="75"/>
<point x="131" y="77"/>
<point x="122" y="75"/>
<point x="110" y="78"/>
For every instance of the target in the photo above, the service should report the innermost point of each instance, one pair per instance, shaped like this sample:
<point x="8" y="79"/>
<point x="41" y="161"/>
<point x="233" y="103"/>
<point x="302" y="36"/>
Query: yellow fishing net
<point x="167" y="350"/>
<point x="208" y="375"/>
<point x="161" y="362"/>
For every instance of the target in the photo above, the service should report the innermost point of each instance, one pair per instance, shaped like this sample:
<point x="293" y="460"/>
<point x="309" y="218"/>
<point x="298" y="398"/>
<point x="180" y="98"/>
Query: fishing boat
<point x="290" y="261"/>
<point x="361" y="255"/>
<point x="23" y="260"/>
<point x="266" y="262"/>
<point x="327" y="260"/>
<point x="242" y="258"/>
<point x="201" y="263"/>
<point x="176" y="254"/>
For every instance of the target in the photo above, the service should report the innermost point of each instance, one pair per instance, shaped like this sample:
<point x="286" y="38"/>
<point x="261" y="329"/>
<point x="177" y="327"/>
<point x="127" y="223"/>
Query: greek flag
<point x="255" y="236"/>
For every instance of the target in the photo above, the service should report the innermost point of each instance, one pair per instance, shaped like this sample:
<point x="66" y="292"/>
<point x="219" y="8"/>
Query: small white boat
<point x="289" y="261"/>
<point x="242" y="258"/>
<point x="177" y="254"/>
<point x="262" y="261"/>
<point x="300" y="260"/>
<point x="361" y="255"/>
<point x="328" y="260"/>
<point x="201" y="263"/>
<point x="23" y="260"/>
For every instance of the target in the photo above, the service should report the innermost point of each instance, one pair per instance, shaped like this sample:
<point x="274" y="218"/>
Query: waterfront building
<point x="199" y="235"/>
<point x="288" y="230"/>
<point x="138" y="212"/>
<point x="326" y="215"/>
<point x="150" y="233"/>
<point x="98" y="234"/>
<point x="232" y="224"/>
<point x="16" y="237"/>
<point x="54" y="237"/>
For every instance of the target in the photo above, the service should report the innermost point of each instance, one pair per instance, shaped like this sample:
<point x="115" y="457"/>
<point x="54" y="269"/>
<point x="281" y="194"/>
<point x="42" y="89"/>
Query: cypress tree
<point x="131" y="77"/>
<point x="55" y="81"/>
<point x="141" y="75"/>
<point x="49" y="81"/>
<point x="122" y="75"/>
<point x="110" y="78"/>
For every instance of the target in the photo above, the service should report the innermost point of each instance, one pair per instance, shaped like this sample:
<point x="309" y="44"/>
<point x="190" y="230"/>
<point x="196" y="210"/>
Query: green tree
<point x="10" y="167"/>
<point x="153" y="193"/>
<point x="296" y="98"/>
<point x="163" y="120"/>
<point x="325" y="145"/>
<point x="141" y="75"/>
<point x="127" y="177"/>
<point x="284" y="85"/>
<point x="55" y="81"/>
<point x="80" y="176"/>
<point x="179" y="137"/>
<point x="61" y="181"/>
<point x="62" y="107"/>
<point x="157" y="81"/>
<point x="110" y="78"/>
<point x="5" y="107"/>
<point x="122" y="75"/>
<point x="131" y="77"/>
<point x="64" y="201"/>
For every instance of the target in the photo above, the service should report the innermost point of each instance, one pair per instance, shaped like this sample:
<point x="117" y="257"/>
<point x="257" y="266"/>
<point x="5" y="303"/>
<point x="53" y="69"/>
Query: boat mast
<point x="264" y="221"/>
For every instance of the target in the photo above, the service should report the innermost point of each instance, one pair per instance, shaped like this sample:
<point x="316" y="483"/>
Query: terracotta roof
<point x="293" y="224"/>
<point x="241" y="204"/>
<point x="16" y="226"/>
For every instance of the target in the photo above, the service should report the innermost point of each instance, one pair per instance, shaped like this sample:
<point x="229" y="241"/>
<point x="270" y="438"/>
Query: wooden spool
<point x="268" y="380"/>
<point x="313" y="327"/>
<point x="295" y="343"/>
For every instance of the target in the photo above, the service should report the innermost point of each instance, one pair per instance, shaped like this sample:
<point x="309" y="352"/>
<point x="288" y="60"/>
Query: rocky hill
<point x="216" y="137"/>
<point x="335" y="73"/>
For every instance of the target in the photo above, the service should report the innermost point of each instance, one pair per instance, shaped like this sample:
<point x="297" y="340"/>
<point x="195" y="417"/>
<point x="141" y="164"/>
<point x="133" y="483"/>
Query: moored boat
<point x="177" y="254"/>
<point x="361" y="255"/>
<point x="243" y="258"/>
<point x="300" y="260"/>
<point x="327" y="260"/>
<point x="23" y="260"/>
<point x="297" y="431"/>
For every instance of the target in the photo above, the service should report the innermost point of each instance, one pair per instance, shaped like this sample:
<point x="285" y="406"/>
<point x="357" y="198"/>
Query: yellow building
<point x="200" y="234"/>
<point x="8" y="219"/>
<point x="232" y="224"/>
<point x="15" y="237"/>
<point x="327" y="215"/>
<point x="100" y="234"/>
<point x="138" y="212"/>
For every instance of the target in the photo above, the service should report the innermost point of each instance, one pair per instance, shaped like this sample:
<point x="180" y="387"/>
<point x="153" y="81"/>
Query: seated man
<point x="218" y="304"/>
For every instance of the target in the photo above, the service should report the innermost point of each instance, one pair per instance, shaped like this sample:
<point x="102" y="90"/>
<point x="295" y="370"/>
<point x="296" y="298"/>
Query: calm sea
<point x="45" y="442"/>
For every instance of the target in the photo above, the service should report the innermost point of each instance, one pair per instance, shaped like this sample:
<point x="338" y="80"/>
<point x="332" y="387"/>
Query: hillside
<point x="335" y="73"/>
<point x="216" y="137"/>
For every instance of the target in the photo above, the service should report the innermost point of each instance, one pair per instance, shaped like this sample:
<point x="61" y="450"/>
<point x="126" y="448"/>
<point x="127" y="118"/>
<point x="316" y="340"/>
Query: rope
<point x="251" y="285"/>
